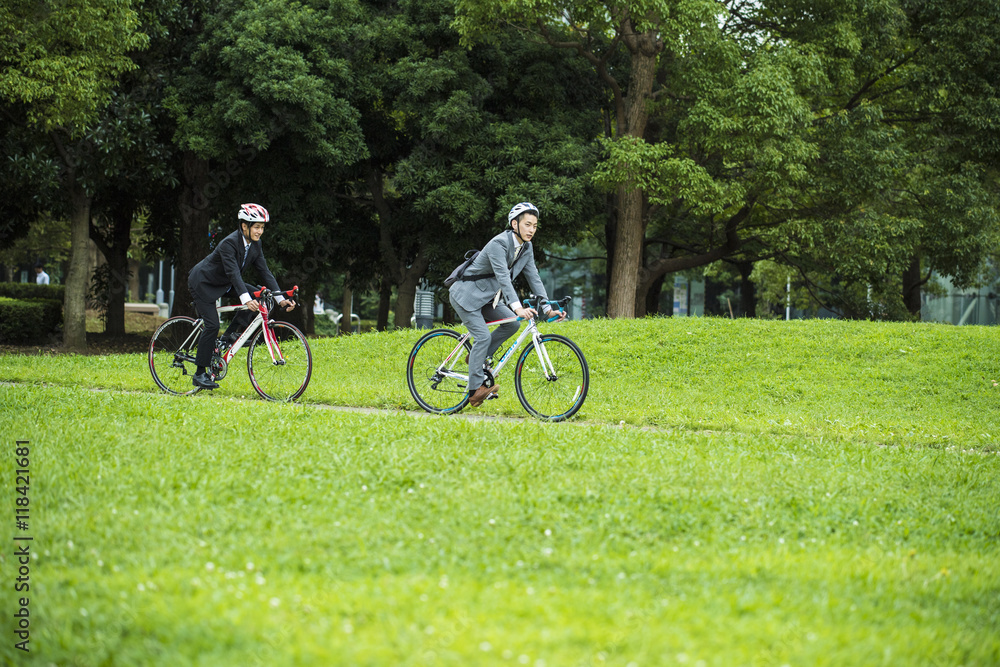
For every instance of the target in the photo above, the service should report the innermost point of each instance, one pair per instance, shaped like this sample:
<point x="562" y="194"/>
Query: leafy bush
<point x="25" y="321"/>
<point x="32" y="291"/>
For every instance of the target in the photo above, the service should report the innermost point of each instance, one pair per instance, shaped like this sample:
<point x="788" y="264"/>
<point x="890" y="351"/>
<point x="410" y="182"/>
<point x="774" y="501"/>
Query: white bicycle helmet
<point x="253" y="213"/>
<point x="523" y="207"/>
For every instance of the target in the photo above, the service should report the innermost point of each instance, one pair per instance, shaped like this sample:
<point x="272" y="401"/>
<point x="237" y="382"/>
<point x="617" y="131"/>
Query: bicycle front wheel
<point x="172" y="352"/>
<point x="438" y="387"/>
<point x="283" y="379"/>
<point x="552" y="378"/>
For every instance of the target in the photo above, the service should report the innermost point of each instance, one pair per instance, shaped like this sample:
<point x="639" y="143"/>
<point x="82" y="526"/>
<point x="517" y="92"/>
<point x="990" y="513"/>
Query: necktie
<point x="246" y="251"/>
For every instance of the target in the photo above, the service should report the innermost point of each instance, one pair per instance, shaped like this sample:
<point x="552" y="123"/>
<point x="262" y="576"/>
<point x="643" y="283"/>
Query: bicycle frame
<point x="447" y="366"/>
<point x="260" y="321"/>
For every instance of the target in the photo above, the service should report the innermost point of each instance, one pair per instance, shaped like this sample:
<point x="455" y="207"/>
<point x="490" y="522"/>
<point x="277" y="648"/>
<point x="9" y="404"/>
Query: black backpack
<point x="459" y="272"/>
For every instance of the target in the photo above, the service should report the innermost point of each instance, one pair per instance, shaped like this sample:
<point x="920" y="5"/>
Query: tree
<point x="454" y="140"/>
<point x="767" y="126"/>
<point x="906" y="127"/>
<point x="262" y="115"/>
<point x="598" y="31"/>
<point x="60" y="62"/>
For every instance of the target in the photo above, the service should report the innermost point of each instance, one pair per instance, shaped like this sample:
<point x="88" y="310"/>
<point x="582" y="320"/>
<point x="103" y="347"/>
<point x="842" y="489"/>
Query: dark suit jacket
<point x="492" y="262"/>
<point x="213" y="276"/>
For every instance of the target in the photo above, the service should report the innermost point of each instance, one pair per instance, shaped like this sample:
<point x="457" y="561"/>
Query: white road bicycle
<point x="279" y="360"/>
<point x="551" y="376"/>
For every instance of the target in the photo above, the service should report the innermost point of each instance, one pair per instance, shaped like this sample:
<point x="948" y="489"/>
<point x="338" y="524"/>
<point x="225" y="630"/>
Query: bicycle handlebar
<point x="535" y="302"/>
<point x="267" y="295"/>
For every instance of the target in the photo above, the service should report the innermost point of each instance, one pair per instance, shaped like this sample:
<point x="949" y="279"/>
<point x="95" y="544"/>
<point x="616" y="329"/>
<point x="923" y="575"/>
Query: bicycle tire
<point x="172" y="365"/>
<point x="433" y="392"/>
<point x="558" y="397"/>
<point x="280" y="382"/>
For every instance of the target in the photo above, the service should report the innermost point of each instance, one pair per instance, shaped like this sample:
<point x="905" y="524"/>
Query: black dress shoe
<point x="205" y="381"/>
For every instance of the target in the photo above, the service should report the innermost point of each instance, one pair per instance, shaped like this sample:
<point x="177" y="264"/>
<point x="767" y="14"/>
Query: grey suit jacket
<point x="493" y="262"/>
<point x="212" y="277"/>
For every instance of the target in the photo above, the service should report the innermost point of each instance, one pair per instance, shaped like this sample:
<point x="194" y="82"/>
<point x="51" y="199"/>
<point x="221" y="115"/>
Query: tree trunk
<point x="748" y="298"/>
<point x="75" y="297"/>
<point x="345" y="307"/>
<point x="195" y="216"/>
<point x="627" y="258"/>
<point x="911" y="287"/>
<point x="408" y="290"/>
<point x="394" y="263"/>
<point x="447" y="312"/>
<point x="307" y="300"/>
<point x="134" y="294"/>
<point x="384" y="304"/>
<point x="651" y="304"/>
<point x="629" y="232"/>
<point x="610" y="233"/>
<point x="115" y="251"/>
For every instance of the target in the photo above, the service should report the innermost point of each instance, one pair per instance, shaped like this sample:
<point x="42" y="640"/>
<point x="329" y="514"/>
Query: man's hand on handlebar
<point x="253" y="305"/>
<point x="287" y="304"/>
<point x="525" y="313"/>
<point x="563" y="316"/>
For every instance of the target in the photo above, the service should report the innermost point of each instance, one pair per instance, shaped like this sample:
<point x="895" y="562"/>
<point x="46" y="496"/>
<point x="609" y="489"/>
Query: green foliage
<point x="29" y="320"/>
<point x="45" y="239"/>
<point x="30" y="291"/>
<point x="271" y="71"/>
<point x="61" y="59"/>
<point x="846" y="138"/>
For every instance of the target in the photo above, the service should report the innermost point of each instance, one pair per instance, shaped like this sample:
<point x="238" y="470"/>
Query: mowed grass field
<point x="732" y="493"/>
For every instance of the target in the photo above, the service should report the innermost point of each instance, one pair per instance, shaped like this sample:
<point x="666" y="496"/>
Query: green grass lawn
<point x="801" y="493"/>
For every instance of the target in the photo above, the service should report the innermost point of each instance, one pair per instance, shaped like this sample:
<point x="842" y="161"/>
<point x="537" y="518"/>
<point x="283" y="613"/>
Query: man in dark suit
<point x="220" y="273"/>
<point x="486" y="293"/>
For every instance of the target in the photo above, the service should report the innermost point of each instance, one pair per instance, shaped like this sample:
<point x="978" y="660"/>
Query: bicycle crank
<point x="219" y="367"/>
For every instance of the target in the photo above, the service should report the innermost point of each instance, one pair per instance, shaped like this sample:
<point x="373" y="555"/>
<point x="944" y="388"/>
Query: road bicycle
<point x="279" y="360"/>
<point x="551" y="376"/>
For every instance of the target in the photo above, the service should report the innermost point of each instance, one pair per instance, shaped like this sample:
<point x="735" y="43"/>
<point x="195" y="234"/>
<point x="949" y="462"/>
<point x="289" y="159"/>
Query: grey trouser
<point x="484" y="344"/>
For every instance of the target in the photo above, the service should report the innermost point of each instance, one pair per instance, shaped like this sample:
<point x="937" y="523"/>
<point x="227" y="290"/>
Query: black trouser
<point x="240" y="321"/>
<point x="208" y="312"/>
<point x="206" y="344"/>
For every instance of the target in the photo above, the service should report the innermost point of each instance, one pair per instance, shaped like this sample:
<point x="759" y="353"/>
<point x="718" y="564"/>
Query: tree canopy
<point x="851" y="143"/>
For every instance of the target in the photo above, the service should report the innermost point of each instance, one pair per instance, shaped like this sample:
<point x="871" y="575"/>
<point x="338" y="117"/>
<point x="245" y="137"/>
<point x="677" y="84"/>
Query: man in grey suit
<point x="219" y="273"/>
<point x="486" y="293"/>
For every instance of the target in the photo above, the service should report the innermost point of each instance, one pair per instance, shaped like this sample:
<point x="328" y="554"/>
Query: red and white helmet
<point x="253" y="213"/>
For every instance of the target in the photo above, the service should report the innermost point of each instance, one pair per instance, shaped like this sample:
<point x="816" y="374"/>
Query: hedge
<point x="32" y="291"/>
<point x="28" y="321"/>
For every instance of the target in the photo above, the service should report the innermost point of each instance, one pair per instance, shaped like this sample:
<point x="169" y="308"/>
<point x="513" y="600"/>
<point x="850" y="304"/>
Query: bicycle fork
<point x="543" y="358"/>
<point x="271" y="340"/>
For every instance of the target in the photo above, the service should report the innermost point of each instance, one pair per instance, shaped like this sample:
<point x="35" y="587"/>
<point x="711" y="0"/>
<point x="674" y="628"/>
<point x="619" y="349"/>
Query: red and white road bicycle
<point x="279" y="360"/>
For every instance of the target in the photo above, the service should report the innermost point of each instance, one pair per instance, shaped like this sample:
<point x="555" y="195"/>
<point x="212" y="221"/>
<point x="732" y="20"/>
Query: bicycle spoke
<point x="552" y="379"/>
<point x="433" y="384"/>
<point x="172" y="351"/>
<point x="284" y="378"/>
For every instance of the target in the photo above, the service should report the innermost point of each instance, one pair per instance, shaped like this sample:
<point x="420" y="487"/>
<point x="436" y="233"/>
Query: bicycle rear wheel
<point x="172" y="351"/>
<point x="438" y="391"/>
<point x="284" y="380"/>
<point x="552" y="379"/>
